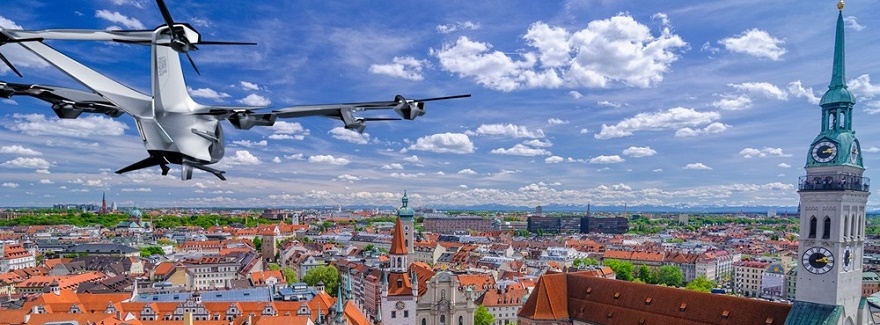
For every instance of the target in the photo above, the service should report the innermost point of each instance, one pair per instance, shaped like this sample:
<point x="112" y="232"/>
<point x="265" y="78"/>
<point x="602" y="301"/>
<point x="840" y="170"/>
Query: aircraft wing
<point x="66" y="102"/>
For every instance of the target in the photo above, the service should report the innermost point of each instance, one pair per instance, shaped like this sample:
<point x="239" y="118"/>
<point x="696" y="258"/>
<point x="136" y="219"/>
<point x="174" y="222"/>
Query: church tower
<point x="833" y="195"/>
<point x="406" y="215"/>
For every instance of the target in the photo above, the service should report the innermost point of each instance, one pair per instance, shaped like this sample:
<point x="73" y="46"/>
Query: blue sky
<point x="603" y="102"/>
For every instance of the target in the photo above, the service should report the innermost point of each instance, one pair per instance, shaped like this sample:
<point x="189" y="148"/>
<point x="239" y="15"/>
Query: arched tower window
<point x="853" y="230"/>
<point x="424" y="321"/>
<point x="846" y="228"/>
<point x="460" y="320"/>
<point x="812" y="227"/>
<point x="443" y="319"/>
<point x="826" y="228"/>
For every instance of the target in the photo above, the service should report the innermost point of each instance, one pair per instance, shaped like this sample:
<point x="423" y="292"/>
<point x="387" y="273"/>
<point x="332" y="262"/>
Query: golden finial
<point x="840" y="5"/>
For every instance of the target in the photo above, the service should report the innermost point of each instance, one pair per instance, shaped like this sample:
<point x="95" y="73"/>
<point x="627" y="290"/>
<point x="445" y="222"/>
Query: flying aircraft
<point x="173" y="127"/>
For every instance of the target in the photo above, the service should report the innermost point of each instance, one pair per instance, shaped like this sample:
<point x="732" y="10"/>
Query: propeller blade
<point x="380" y="119"/>
<point x="9" y="64"/>
<point x="145" y="42"/>
<point x="442" y="98"/>
<point x="166" y="15"/>
<point x="225" y="43"/>
<point x="20" y="40"/>
<point x="193" y="63"/>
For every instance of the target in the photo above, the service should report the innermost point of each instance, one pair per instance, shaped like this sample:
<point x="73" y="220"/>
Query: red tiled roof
<point x="398" y="245"/>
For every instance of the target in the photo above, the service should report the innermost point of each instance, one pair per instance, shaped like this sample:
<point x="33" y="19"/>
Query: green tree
<point x="482" y="316"/>
<point x="644" y="274"/>
<point x="273" y="266"/>
<point x="622" y="269"/>
<point x="669" y="275"/>
<point x="258" y="242"/>
<point x="369" y="248"/>
<point x="325" y="273"/>
<point x="289" y="274"/>
<point x="586" y="261"/>
<point x="152" y="250"/>
<point x="702" y="284"/>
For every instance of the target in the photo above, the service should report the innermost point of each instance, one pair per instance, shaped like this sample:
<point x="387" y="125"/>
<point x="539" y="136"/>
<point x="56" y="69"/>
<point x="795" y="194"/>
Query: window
<point x="405" y="313"/>
<point x="812" y="227"/>
<point x="826" y="228"/>
<point x="845" y="226"/>
<point x="393" y="314"/>
<point x="424" y="321"/>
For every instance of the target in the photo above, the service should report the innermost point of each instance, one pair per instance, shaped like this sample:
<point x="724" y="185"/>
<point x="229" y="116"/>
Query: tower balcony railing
<point x="834" y="182"/>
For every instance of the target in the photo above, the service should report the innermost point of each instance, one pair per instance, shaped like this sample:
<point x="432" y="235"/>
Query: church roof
<point x="811" y="313"/>
<point x="398" y="246"/>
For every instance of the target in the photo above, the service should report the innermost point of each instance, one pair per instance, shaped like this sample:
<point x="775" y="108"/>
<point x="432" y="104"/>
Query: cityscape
<point x="423" y="222"/>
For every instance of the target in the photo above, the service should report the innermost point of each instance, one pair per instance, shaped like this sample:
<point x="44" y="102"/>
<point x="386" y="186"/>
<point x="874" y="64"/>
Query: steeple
<point x="340" y="305"/>
<point x="837" y="90"/>
<point x="398" y="252"/>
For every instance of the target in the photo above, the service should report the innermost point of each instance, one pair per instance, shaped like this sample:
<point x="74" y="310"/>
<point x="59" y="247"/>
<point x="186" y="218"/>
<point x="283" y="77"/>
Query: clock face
<point x="818" y="260"/>
<point x="824" y="151"/>
<point x="400" y="305"/>
<point x="847" y="259"/>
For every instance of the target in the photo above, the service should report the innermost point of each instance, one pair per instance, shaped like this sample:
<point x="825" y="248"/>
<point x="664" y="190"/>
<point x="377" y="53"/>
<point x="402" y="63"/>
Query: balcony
<point x="834" y="182"/>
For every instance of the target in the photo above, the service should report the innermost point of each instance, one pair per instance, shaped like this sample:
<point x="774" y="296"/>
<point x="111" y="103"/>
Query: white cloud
<point x="638" y="152"/>
<point x="255" y="100"/>
<point x="584" y="131"/>
<point x="444" y="143"/>
<point x="765" y="89"/>
<point x="243" y="157"/>
<point x="347" y="177"/>
<point x="617" y="49"/>
<point x="733" y="103"/>
<point x="765" y="152"/>
<point x="42" y="171"/>
<point x="713" y="128"/>
<point x="288" y="130"/>
<point x="408" y="68"/>
<point x="673" y="118"/>
<point x="347" y="135"/>
<point x="756" y="43"/>
<point x="466" y="171"/>
<point x="575" y="94"/>
<point x="607" y="104"/>
<point x="453" y="27"/>
<point x="276" y="160"/>
<point x="206" y="93"/>
<point x="412" y="159"/>
<point x="871" y="150"/>
<point x="22" y="162"/>
<point x="697" y="166"/>
<point x="553" y="160"/>
<point x="9" y="185"/>
<point x="139" y="189"/>
<point x="556" y="121"/>
<point x="85" y="126"/>
<point x="19" y="150"/>
<point x="116" y="17"/>
<point x="249" y="85"/>
<point x="607" y="160"/>
<point x="783" y="165"/>
<point x="796" y="89"/>
<point x="251" y="144"/>
<point x="853" y="23"/>
<point x="296" y="156"/>
<point x="329" y="159"/>
<point x="538" y="143"/>
<point x="392" y="166"/>
<point x="510" y="130"/>
<point x="406" y="175"/>
<point x="46" y="181"/>
<point x="521" y="150"/>
<point x="862" y="86"/>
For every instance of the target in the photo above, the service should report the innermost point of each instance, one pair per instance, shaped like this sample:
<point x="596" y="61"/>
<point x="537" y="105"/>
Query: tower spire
<point x="837" y="89"/>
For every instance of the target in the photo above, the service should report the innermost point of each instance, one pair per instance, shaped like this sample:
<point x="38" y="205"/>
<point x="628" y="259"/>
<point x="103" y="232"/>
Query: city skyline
<point x="574" y="102"/>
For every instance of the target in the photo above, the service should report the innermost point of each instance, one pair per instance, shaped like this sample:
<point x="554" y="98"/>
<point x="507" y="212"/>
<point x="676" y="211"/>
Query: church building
<point x="833" y="194"/>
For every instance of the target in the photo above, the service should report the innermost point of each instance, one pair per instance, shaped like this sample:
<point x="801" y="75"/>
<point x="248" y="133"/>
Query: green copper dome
<point x="405" y="212"/>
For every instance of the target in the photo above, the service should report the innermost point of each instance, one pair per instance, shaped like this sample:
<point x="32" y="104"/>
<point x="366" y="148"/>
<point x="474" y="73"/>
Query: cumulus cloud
<point x="9" y="185"/>
<point x="347" y="177"/>
<point x="606" y="160"/>
<point x="556" y="121"/>
<point x="249" y="86"/>
<point x="453" y="27"/>
<point x="862" y="87"/>
<point x="392" y="166"/>
<point x="288" y="130"/>
<point x="796" y="89"/>
<point x="23" y="162"/>
<point x="713" y="128"/>
<point x="638" y="152"/>
<point x="764" y="89"/>
<point x="408" y="68"/>
<point x="276" y="160"/>
<point x="673" y="118"/>
<point x="19" y="150"/>
<point x="757" y="43"/>
<point x="329" y="159"/>
<point x="347" y="135"/>
<point x="243" y="157"/>
<point x="521" y="150"/>
<point x="206" y="93"/>
<point x="553" y="160"/>
<point x="509" y="130"/>
<point x="618" y="49"/>
<point x="575" y="94"/>
<point x="444" y="143"/>
<point x="255" y="100"/>
<point x="852" y="23"/>
<point x="607" y="104"/>
<point x="466" y="171"/>
<point x="783" y="165"/>
<point x="697" y="166"/>
<point x="765" y="152"/>
<point x="538" y="143"/>
<point x="118" y="18"/>
<point x="406" y="175"/>
<point x="412" y="159"/>
<point x="85" y="126"/>
<point x="251" y="144"/>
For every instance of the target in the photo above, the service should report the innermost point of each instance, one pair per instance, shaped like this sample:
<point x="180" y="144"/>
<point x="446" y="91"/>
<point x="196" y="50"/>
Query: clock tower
<point x="833" y="195"/>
